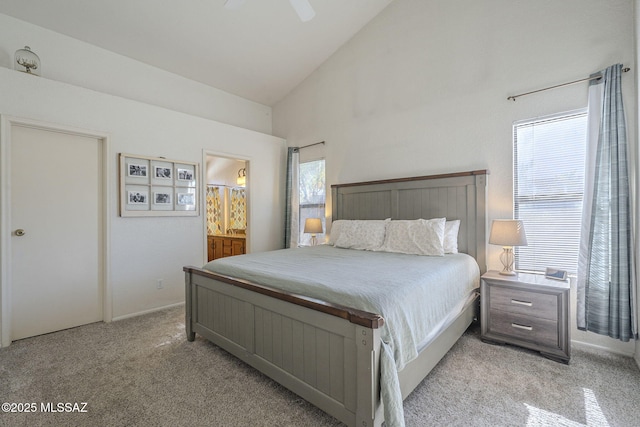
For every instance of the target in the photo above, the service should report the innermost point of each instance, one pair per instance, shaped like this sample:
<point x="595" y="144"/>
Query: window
<point x="549" y="163"/>
<point x="312" y="197"/>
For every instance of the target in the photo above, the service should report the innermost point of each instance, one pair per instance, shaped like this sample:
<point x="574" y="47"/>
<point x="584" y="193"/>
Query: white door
<point x="56" y="226"/>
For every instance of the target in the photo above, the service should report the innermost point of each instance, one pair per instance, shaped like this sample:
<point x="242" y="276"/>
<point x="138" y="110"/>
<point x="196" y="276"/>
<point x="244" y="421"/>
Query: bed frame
<point x="327" y="353"/>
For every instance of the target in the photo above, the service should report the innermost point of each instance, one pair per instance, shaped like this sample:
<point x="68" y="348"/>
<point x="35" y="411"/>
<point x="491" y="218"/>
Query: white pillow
<point x="450" y="242"/>
<point x="415" y="237"/>
<point x="336" y="227"/>
<point x="361" y="234"/>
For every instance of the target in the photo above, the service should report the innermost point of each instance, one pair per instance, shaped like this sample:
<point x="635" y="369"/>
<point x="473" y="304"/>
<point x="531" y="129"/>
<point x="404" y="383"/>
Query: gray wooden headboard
<point x="454" y="196"/>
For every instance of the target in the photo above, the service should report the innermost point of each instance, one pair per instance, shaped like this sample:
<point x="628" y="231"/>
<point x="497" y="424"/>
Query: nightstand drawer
<point x="543" y="332"/>
<point x="517" y="301"/>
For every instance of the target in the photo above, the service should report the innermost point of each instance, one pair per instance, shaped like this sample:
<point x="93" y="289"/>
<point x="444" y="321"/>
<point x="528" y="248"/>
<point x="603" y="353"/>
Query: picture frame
<point x="137" y="197"/>
<point x="555" y="274"/>
<point x="162" y="198"/>
<point x="139" y="170"/>
<point x="185" y="175"/>
<point x="156" y="186"/>
<point x="162" y="172"/>
<point x="186" y="199"/>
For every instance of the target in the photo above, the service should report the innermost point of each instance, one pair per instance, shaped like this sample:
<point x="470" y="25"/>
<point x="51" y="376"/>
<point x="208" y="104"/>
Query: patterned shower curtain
<point x="606" y="273"/>
<point x="215" y="215"/>
<point x="238" y="209"/>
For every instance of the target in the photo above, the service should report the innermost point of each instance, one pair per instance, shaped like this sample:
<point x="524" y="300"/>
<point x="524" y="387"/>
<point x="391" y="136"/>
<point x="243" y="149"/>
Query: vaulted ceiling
<point x="259" y="51"/>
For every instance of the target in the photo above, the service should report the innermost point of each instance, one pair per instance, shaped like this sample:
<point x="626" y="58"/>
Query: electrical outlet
<point x="159" y="285"/>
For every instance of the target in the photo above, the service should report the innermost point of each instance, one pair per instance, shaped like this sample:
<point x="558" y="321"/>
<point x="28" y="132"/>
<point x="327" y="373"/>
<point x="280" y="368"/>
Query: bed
<point x="331" y="353"/>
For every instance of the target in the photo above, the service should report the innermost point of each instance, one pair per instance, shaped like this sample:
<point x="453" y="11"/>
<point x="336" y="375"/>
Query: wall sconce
<point x="508" y="233"/>
<point x="313" y="226"/>
<point x="242" y="177"/>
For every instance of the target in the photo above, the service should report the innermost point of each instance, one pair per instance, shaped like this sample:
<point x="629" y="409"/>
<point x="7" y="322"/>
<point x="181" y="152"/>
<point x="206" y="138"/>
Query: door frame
<point x="203" y="195"/>
<point x="6" y="124"/>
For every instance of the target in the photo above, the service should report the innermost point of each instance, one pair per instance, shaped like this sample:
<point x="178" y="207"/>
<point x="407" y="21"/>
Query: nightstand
<point x="527" y="310"/>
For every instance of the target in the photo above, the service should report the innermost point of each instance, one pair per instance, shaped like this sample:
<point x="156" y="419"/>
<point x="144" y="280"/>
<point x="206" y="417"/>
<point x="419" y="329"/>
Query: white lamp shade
<point x="313" y="225"/>
<point x="508" y="232"/>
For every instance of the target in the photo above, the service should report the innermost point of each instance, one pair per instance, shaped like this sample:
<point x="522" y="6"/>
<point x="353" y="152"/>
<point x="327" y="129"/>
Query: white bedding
<point x="412" y="293"/>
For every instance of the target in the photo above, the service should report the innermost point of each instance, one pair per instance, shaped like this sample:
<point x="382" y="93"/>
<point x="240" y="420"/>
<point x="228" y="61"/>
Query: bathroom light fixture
<point x="242" y="177"/>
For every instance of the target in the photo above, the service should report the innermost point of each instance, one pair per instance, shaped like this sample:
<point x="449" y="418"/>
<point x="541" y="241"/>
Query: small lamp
<point x="313" y="226"/>
<point x="242" y="177"/>
<point x="508" y="233"/>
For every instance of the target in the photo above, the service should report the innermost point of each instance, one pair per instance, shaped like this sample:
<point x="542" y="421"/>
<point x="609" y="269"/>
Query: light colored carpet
<point x="143" y="372"/>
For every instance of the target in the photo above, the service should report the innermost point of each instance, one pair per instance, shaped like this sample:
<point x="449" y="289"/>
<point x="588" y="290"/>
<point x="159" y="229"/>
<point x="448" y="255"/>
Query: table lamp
<point x="313" y="226"/>
<point x="508" y="233"/>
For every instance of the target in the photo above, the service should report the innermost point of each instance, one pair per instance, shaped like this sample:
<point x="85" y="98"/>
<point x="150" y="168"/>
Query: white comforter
<point x="413" y="293"/>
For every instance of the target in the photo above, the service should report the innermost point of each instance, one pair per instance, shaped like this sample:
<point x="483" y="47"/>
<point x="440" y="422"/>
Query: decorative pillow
<point x="336" y="227"/>
<point x="450" y="242"/>
<point x="416" y="237"/>
<point x="361" y="234"/>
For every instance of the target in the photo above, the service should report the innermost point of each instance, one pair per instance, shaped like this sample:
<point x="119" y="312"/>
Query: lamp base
<point x="506" y="257"/>
<point x="508" y="273"/>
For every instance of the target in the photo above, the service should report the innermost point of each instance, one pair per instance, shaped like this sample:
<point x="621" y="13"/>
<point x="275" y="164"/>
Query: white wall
<point x="69" y="60"/>
<point x="223" y="171"/>
<point x="143" y="250"/>
<point x="422" y="88"/>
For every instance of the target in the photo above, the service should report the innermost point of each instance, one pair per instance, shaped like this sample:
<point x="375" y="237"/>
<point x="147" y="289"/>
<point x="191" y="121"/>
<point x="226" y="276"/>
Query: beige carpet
<point x="143" y="372"/>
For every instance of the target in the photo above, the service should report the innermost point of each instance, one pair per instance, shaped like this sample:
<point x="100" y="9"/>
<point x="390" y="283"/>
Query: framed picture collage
<point x="154" y="186"/>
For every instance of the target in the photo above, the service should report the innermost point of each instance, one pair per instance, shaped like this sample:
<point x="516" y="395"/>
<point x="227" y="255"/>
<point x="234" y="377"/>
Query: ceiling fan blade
<point x="233" y="4"/>
<point x="303" y="9"/>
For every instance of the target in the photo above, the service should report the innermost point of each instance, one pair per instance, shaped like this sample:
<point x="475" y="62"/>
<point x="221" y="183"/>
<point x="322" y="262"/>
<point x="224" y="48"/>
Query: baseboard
<point x="152" y="310"/>
<point x="588" y="346"/>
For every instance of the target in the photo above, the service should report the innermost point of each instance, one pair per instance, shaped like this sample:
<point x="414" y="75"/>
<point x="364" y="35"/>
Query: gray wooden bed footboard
<point x="326" y="359"/>
<point x="329" y="354"/>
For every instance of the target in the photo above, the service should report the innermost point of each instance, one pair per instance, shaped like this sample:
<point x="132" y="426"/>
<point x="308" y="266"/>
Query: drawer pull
<point x="526" y="328"/>
<point x="527" y="303"/>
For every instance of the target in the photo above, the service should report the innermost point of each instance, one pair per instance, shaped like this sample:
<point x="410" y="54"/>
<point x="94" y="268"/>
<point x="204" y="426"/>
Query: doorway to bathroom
<point x="226" y="206"/>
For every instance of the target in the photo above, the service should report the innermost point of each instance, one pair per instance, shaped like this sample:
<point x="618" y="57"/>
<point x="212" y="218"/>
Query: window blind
<point x="549" y="164"/>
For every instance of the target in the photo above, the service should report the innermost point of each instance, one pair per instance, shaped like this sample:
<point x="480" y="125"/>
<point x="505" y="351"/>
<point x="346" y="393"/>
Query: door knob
<point x="19" y="232"/>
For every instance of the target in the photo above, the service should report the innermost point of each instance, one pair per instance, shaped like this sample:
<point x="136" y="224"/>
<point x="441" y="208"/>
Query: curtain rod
<point x="598" y="77"/>
<point x="225" y="186"/>
<point x="311" y="145"/>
